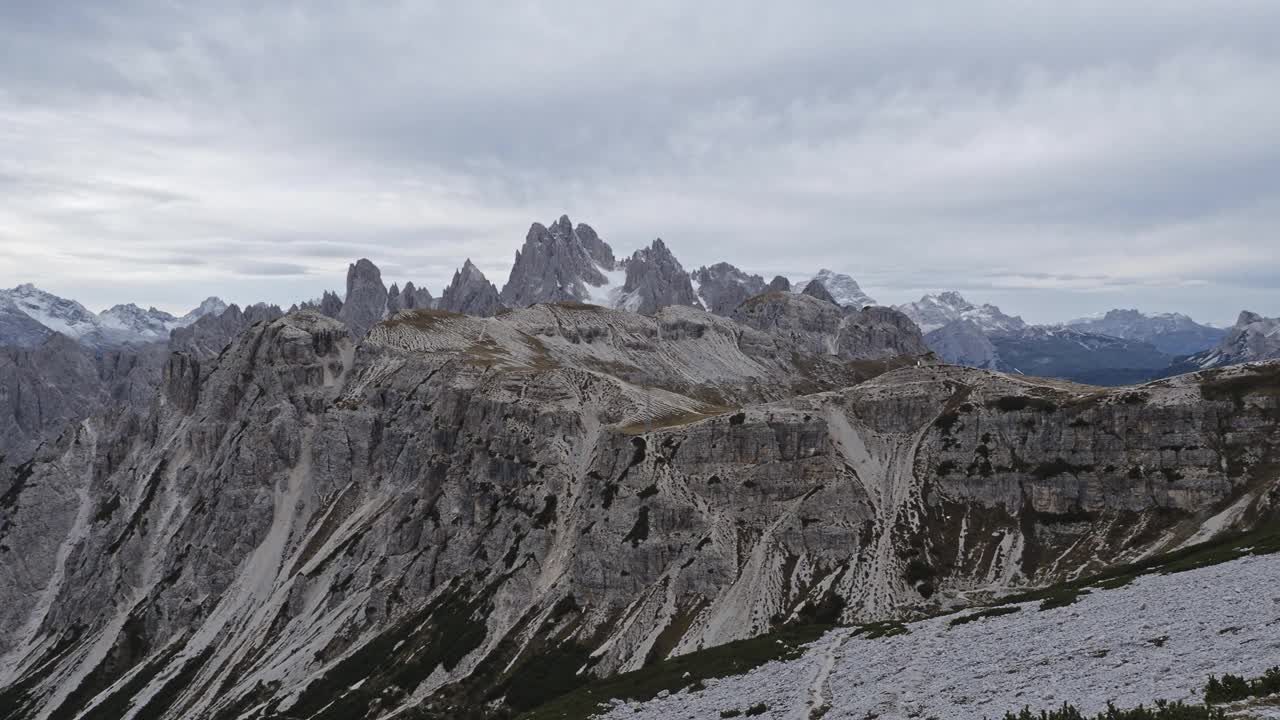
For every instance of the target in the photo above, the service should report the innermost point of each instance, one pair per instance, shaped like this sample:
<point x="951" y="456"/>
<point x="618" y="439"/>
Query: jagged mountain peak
<point x="366" y="300"/>
<point x="722" y="287"/>
<point x="655" y="279"/>
<point x="558" y="264"/>
<point x="470" y="293"/>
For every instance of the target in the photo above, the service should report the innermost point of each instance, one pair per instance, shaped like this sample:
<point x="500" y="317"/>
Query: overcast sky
<point x="1055" y="158"/>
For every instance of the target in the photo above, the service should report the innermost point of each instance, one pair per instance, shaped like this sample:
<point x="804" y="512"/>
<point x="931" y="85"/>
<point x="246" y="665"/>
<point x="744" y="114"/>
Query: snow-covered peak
<point x="135" y="323"/>
<point x="56" y="313"/>
<point x="844" y="289"/>
<point x="934" y="311"/>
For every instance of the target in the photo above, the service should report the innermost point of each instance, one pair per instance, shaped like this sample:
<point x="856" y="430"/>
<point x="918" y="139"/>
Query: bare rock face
<point x="723" y="287"/>
<point x="557" y="264"/>
<point x="778" y="284"/>
<point x="209" y="335"/>
<point x="470" y="293"/>
<point x="598" y="249"/>
<point x="331" y="531"/>
<point x="411" y="298"/>
<point x="655" y="279"/>
<point x="366" y="301"/>
<point x="815" y="289"/>
<point x="52" y="386"/>
<point x="414" y="298"/>
<point x="822" y="326"/>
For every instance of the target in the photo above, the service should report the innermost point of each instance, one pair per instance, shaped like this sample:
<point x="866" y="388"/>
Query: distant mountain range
<point x="29" y="315"/>
<point x="567" y="262"/>
<point x="1116" y="348"/>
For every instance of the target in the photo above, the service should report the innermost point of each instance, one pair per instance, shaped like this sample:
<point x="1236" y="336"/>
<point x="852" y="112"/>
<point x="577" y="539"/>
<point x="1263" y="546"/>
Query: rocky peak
<point x="655" y="279"/>
<point x="816" y="289"/>
<point x="59" y="314"/>
<point x="209" y="306"/>
<point x="556" y="265"/>
<point x="844" y="290"/>
<point x="413" y="298"/>
<point x="779" y="283"/>
<point x="598" y="249"/>
<point x="470" y="293"/>
<point x="723" y="287"/>
<point x="1248" y="317"/>
<point x="366" y="302"/>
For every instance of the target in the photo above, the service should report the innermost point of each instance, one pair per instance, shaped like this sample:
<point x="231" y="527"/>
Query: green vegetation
<point x="1161" y="711"/>
<point x="683" y="671"/>
<point x="1228" y="547"/>
<point x="979" y="615"/>
<point x="1063" y="597"/>
<point x="757" y="709"/>
<point x="887" y="628"/>
<point x="1015" y="403"/>
<point x="1264" y="381"/>
<point x="1233" y="687"/>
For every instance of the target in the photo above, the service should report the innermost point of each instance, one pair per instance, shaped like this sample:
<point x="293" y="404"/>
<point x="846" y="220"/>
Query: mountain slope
<point x="436" y="517"/>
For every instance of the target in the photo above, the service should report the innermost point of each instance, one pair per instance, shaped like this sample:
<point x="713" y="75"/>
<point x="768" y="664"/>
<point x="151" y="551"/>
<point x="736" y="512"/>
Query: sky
<point x="1057" y="159"/>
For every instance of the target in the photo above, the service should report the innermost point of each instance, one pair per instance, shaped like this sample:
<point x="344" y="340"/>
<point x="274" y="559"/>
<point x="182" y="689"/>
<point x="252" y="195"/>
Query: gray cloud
<point x="1057" y="157"/>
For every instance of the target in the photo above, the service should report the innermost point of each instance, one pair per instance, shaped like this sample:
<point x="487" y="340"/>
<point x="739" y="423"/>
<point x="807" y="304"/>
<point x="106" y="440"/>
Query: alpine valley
<point x="619" y="487"/>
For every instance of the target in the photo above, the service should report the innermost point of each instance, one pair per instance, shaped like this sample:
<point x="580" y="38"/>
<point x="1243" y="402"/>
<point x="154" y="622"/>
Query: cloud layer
<point x="1056" y="160"/>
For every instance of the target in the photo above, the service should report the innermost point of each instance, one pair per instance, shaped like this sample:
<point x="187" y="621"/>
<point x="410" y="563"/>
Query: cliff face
<point x="440" y="515"/>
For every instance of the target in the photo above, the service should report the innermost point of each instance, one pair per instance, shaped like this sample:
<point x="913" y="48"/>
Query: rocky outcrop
<point x="778" y="284"/>
<point x="821" y="326"/>
<point x="655" y="279"/>
<point x="1173" y="334"/>
<point x="842" y="288"/>
<point x="365" y="303"/>
<point x="437" y="519"/>
<point x="470" y="293"/>
<point x="555" y="265"/>
<point x="815" y="289"/>
<point x="722" y="287"/>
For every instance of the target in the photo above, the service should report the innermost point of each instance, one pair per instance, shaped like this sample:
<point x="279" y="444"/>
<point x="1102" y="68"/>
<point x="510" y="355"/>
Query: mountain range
<point x="393" y="505"/>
